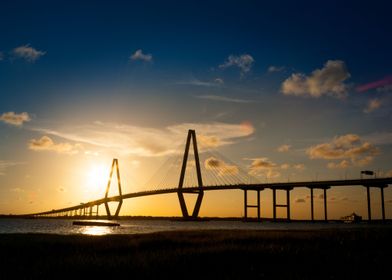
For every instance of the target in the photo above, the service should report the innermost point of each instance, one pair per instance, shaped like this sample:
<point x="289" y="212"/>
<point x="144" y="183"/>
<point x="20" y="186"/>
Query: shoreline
<point x="221" y="254"/>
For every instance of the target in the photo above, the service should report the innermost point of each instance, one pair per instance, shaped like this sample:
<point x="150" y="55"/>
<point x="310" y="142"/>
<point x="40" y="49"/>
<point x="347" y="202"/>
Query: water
<point x="65" y="227"/>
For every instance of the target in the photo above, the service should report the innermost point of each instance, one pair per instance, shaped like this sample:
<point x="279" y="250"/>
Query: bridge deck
<point x="375" y="182"/>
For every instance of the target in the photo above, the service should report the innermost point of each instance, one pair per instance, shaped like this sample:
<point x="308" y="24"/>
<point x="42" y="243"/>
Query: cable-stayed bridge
<point x="209" y="170"/>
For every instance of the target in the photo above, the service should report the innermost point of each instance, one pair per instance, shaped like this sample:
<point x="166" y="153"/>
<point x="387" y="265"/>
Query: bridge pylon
<point x="181" y="190"/>
<point x="120" y="199"/>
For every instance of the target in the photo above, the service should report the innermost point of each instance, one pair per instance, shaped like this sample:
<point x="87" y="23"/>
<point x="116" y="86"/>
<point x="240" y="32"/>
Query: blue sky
<point x="311" y="78"/>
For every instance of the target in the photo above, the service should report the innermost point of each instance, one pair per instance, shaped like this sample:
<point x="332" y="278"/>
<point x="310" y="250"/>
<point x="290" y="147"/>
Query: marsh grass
<point x="319" y="254"/>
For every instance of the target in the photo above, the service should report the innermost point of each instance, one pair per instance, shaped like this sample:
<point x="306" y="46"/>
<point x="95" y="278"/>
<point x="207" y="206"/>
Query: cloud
<point x="372" y="105"/>
<point x="4" y="164"/>
<point x="299" y="166"/>
<point x="300" y="200"/>
<point x="15" y="119"/>
<point x="244" y="62"/>
<point x="223" y="99"/>
<point x="144" y="141"/>
<point x="284" y="148"/>
<point x="285" y="166"/>
<point x="348" y="146"/>
<point x="17" y="190"/>
<point x="195" y="82"/>
<point x="223" y="168"/>
<point x="219" y="81"/>
<point x="27" y="53"/>
<point x="139" y="55"/>
<point x="263" y="166"/>
<point x="376" y="84"/>
<point x="273" y="69"/>
<point x="340" y="165"/>
<point x="383" y="89"/>
<point x="326" y="81"/>
<point x="45" y="143"/>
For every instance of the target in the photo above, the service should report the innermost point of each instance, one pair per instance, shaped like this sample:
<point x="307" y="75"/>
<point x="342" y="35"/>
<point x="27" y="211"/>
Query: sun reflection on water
<point x="96" y="230"/>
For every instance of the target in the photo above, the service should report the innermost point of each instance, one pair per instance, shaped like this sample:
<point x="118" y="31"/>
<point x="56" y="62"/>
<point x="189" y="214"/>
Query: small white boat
<point x="352" y="218"/>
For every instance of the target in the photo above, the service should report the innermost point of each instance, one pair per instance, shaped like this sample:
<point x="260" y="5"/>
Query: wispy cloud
<point x="349" y="146"/>
<point x="284" y="148"/>
<point x="340" y="165"/>
<point x="376" y="84"/>
<point x="223" y="98"/>
<point x="372" y="105"/>
<point x="139" y="55"/>
<point x="328" y="80"/>
<point x="46" y="143"/>
<point x="14" y="118"/>
<point x="143" y="141"/>
<point x="244" y="62"/>
<point x="196" y="82"/>
<point x="27" y="53"/>
<point x="4" y="164"/>
<point x="273" y="69"/>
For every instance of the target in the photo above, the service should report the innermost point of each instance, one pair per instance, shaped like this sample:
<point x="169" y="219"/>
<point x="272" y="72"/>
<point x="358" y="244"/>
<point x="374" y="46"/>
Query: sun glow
<point x="97" y="177"/>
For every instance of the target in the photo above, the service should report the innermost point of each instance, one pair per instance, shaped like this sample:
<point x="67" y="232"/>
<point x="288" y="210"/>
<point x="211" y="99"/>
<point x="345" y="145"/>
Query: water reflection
<point x="96" y="230"/>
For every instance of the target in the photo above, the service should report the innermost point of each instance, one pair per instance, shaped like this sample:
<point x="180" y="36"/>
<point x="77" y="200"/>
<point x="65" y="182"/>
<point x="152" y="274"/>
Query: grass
<point x="318" y="254"/>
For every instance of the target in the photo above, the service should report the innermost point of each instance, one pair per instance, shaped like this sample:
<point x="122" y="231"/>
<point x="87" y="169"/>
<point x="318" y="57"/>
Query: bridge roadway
<point x="288" y="186"/>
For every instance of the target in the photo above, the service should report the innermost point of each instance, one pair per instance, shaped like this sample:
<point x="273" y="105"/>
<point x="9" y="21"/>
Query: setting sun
<point x="96" y="178"/>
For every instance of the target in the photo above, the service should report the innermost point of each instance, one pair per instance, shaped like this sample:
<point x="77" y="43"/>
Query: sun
<point x="97" y="178"/>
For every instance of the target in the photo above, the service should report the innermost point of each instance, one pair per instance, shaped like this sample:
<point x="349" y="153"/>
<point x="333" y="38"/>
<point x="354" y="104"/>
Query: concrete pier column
<point x="97" y="210"/>
<point x="288" y="204"/>
<point x="245" y="204"/>
<point x="258" y="205"/>
<point x="325" y="205"/>
<point x="368" y="203"/>
<point x="382" y="203"/>
<point x="274" y="203"/>
<point x="311" y="205"/>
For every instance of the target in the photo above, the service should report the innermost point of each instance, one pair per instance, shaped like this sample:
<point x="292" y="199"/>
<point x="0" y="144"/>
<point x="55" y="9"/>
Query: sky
<point x="283" y="91"/>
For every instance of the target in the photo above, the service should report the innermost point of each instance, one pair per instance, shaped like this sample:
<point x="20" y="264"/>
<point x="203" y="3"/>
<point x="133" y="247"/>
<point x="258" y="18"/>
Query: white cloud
<point x="143" y="141"/>
<point x="372" y="105"/>
<point x="219" y="81"/>
<point x="4" y="164"/>
<point x="28" y="53"/>
<point x="244" y="62"/>
<point x="326" y="81"/>
<point x="284" y="148"/>
<point x="139" y="55"/>
<point x="273" y="68"/>
<point x="45" y="143"/>
<point x="349" y="146"/>
<point x="223" y="98"/>
<point x="15" y="119"/>
<point x="195" y="82"/>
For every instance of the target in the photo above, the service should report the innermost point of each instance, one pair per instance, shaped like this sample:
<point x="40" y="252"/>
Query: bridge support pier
<point x="181" y="191"/>
<point x="369" y="208"/>
<point x="275" y="205"/>
<point x="246" y="205"/>
<point x="120" y="200"/>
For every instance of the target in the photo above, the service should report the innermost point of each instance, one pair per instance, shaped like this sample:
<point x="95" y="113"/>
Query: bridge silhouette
<point x="222" y="175"/>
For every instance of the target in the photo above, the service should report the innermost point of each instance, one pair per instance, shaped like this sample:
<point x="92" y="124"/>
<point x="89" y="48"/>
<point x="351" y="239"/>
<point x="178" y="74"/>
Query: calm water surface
<point x="65" y="227"/>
